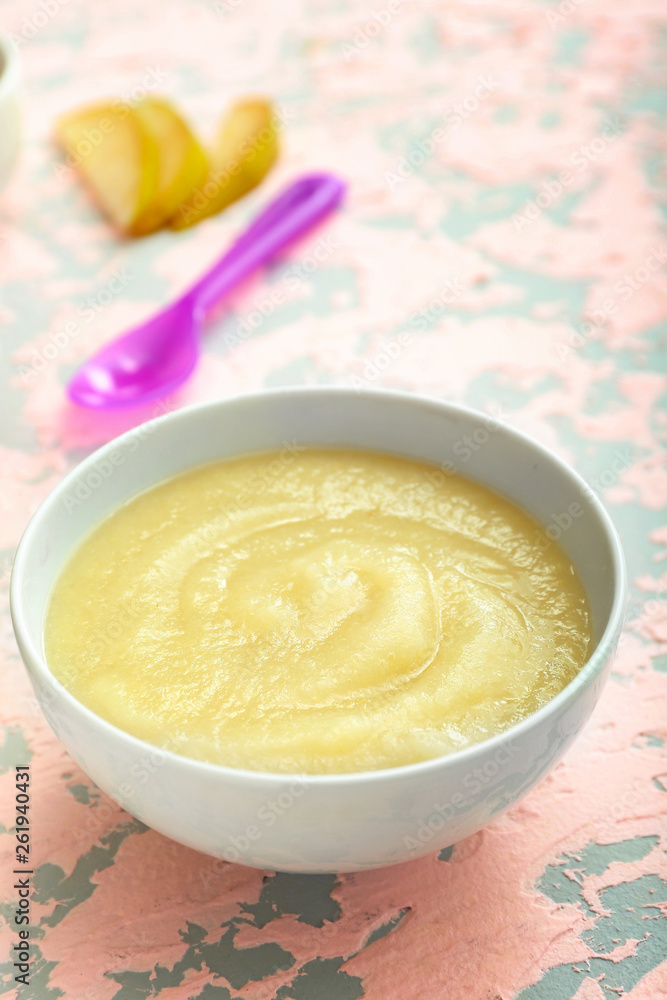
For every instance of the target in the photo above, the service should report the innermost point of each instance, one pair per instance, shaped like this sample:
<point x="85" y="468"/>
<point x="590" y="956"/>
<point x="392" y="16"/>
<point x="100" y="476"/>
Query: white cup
<point x="10" y="119"/>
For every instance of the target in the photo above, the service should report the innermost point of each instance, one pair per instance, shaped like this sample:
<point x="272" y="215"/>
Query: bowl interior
<point x="452" y="437"/>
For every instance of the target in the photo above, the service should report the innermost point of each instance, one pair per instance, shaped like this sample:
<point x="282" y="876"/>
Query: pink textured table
<point x="502" y="245"/>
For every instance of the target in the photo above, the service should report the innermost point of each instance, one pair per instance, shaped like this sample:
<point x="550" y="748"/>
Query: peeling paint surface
<point x="507" y="210"/>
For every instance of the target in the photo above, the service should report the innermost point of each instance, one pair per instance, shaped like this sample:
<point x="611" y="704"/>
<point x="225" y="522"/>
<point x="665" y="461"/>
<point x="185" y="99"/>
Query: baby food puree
<point x="317" y="610"/>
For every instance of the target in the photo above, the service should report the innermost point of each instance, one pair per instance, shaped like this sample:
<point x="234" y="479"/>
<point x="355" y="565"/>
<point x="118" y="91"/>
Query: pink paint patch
<point x="532" y="304"/>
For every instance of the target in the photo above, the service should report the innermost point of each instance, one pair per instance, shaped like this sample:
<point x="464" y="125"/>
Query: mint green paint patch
<point x="550" y="119"/>
<point x="425" y="41"/>
<point x="40" y="970"/>
<point x="632" y="911"/>
<point x="648" y="356"/>
<point x="548" y="383"/>
<point x="570" y="46"/>
<point x="391" y="139"/>
<point x="660" y="663"/>
<point x="194" y="933"/>
<point x="653" y="166"/>
<point x="14" y="750"/>
<point x="649" y="99"/>
<point x="601" y="399"/>
<point x="562" y="882"/>
<point x="413" y="132"/>
<point x="627" y="905"/>
<point x="134" y="985"/>
<point x="491" y="391"/>
<point x="387" y="927"/>
<point x="651" y="740"/>
<point x="212" y="993"/>
<point x="596" y="858"/>
<point x="505" y="114"/>
<point x="491" y="204"/>
<point x="81" y="793"/>
<point x="560" y="211"/>
<point x="7" y="913"/>
<point x="51" y="882"/>
<point x="559" y="983"/>
<point x="307" y="896"/>
<point x="659" y="785"/>
<point x="540" y="288"/>
<point x="322" y="979"/>
<point x="239" y="966"/>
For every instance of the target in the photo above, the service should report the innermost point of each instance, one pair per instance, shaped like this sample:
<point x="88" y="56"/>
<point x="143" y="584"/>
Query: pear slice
<point x="117" y="157"/>
<point x="246" y="149"/>
<point x="182" y="163"/>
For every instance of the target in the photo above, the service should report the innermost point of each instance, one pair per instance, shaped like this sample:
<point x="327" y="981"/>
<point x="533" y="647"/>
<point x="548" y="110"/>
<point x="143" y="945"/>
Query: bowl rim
<point x="38" y="669"/>
<point x="9" y="66"/>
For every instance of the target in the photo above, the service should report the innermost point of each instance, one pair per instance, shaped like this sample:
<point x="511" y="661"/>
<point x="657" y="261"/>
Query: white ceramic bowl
<point x="10" y="125"/>
<point x="321" y="823"/>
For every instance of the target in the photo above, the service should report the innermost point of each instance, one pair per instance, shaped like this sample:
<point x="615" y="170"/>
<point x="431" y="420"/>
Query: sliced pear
<point x="246" y="149"/>
<point x="117" y="157"/>
<point x="182" y="163"/>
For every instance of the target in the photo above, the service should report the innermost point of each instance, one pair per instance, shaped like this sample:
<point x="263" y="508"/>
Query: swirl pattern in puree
<point x="317" y="611"/>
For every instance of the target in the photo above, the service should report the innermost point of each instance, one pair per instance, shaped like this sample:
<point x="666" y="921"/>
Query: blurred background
<point x="502" y="244"/>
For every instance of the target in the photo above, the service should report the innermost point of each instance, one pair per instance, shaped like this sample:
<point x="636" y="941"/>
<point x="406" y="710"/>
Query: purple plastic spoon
<point x="154" y="358"/>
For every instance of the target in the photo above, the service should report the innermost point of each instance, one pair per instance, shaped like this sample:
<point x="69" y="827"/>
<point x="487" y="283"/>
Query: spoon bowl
<point x="149" y="361"/>
<point x="158" y="355"/>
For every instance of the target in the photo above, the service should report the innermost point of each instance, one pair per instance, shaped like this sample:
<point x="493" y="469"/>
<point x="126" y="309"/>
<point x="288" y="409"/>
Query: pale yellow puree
<point x="313" y="611"/>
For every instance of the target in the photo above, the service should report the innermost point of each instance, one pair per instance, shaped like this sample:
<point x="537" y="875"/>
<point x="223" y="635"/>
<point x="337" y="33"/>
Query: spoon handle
<point x="296" y="209"/>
